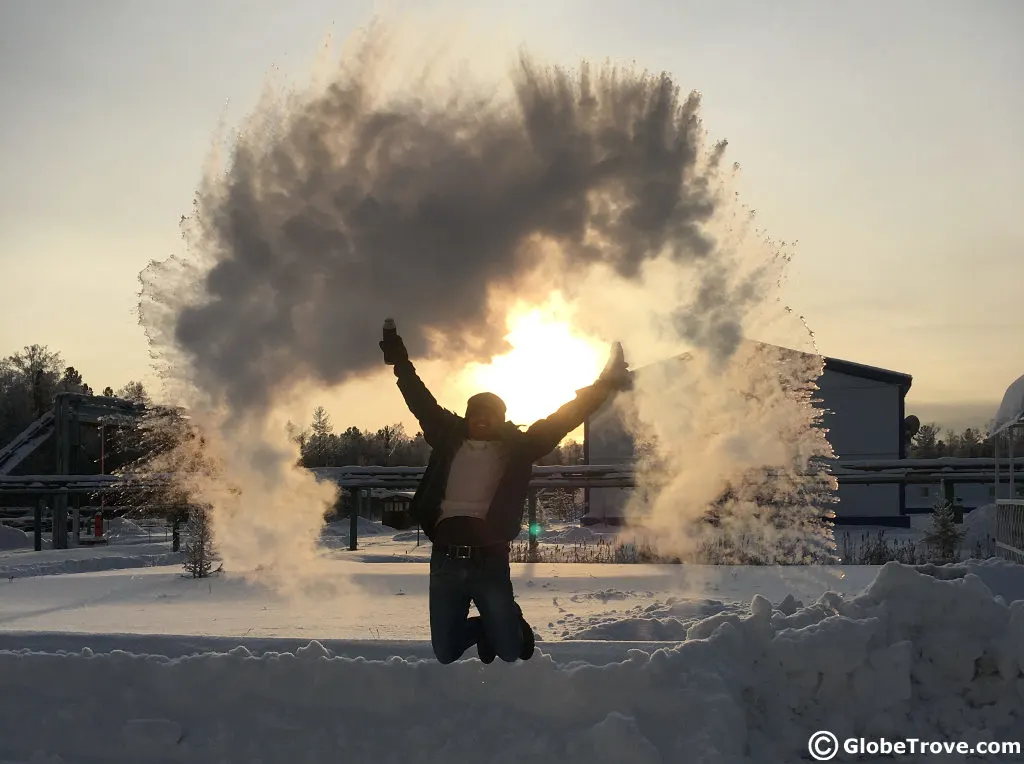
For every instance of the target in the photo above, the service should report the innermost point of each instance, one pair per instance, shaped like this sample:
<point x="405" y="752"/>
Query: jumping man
<point x="470" y="503"/>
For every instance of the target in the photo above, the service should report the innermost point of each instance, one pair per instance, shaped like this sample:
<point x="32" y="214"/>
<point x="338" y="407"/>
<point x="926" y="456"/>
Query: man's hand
<point x="392" y="345"/>
<point x="616" y="374"/>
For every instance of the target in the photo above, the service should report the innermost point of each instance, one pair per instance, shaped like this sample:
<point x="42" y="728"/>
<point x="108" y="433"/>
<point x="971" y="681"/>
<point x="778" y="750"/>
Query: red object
<point x="98" y="525"/>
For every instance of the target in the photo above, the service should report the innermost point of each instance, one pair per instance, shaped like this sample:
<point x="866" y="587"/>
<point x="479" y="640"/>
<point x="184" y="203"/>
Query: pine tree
<point x="199" y="551"/>
<point x="321" y="425"/>
<point x="944" y="537"/>
<point x="320" y="445"/>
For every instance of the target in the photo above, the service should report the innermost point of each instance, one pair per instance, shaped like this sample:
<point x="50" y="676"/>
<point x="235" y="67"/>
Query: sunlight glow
<point x="548" y="363"/>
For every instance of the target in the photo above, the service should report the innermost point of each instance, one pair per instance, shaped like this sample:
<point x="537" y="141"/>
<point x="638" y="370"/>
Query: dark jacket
<point x="445" y="432"/>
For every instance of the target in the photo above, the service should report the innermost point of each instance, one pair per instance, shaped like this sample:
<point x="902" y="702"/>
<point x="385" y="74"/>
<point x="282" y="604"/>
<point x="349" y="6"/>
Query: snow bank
<point x="406" y="536"/>
<point x="122" y="527"/>
<point x="364" y="527"/>
<point x="669" y="622"/>
<point x="13" y="538"/>
<point x="979" y="529"/>
<point x="1003" y="578"/>
<point x="569" y="535"/>
<point x="122" y="531"/>
<point x="928" y="653"/>
<point x="87" y="564"/>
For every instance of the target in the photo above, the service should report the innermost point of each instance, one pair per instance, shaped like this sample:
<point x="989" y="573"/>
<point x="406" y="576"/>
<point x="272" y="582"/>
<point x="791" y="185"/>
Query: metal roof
<point x="863" y="371"/>
<point x="836" y="365"/>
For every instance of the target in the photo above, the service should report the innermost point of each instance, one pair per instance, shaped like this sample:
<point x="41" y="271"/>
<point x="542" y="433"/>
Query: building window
<point x="924" y="491"/>
<point x="991" y="491"/>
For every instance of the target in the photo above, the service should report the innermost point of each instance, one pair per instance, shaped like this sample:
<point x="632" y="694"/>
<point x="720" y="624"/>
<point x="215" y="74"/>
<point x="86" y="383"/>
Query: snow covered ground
<point x="636" y="663"/>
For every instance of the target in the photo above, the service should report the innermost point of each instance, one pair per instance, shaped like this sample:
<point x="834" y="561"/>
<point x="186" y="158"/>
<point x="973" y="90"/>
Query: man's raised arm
<point x="433" y="419"/>
<point x="545" y="434"/>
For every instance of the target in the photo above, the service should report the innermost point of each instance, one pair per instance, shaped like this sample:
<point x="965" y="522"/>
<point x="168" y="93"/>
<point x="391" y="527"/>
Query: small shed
<point x="386" y="505"/>
<point x="395" y="509"/>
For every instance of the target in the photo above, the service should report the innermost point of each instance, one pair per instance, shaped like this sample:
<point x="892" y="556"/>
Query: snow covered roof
<point x="1011" y="410"/>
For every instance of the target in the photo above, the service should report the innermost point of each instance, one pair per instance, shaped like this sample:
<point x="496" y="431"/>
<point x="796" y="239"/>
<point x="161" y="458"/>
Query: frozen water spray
<point x="433" y="199"/>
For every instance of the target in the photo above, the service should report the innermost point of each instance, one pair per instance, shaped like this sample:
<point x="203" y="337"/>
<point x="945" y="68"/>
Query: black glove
<point x="616" y="374"/>
<point x="392" y="345"/>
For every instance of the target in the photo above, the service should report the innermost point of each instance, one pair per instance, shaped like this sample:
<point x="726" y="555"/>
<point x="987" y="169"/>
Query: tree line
<point x="29" y="380"/>
<point x="31" y="377"/>
<point x="932" y="441"/>
<point x="388" y="446"/>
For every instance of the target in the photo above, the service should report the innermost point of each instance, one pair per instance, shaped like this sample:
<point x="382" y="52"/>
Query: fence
<point x="1010" y="529"/>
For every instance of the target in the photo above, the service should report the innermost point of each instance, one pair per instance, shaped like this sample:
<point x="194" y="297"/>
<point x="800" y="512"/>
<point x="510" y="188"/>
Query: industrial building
<point x="863" y="409"/>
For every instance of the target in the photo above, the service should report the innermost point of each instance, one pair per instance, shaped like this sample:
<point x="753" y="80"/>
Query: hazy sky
<point x="884" y="137"/>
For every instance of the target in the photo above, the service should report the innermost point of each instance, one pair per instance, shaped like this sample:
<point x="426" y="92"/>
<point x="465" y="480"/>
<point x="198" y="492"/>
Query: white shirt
<point x="476" y="471"/>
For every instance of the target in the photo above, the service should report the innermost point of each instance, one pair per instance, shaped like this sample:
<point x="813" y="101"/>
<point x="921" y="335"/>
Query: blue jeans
<point x="485" y="582"/>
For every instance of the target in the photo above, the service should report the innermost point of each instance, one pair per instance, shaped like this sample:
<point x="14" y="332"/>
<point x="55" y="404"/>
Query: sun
<point x="548" y="363"/>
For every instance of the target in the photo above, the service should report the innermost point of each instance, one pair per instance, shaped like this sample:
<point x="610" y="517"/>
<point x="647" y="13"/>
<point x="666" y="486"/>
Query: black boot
<point x="529" y="639"/>
<point x="484" y="649"/>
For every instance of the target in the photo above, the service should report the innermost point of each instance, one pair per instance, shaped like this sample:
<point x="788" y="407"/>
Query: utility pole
<point x="61" y="427"/>
<point x="354" y="512"/>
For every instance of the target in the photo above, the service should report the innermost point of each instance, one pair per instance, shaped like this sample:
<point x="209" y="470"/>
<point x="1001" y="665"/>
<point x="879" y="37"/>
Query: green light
<point x="534" y="529"/>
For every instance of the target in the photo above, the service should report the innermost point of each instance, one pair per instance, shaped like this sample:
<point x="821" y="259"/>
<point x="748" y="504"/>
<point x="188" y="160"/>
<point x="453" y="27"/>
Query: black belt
<point x="468" y="552"/>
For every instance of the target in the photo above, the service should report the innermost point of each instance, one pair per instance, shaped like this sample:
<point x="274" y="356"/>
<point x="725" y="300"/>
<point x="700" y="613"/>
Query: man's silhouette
<point x="470" y="503"/>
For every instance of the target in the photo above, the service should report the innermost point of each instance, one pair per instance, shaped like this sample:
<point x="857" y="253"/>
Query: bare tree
<point x="388" y="439"/>
<point x="39" y="370"/>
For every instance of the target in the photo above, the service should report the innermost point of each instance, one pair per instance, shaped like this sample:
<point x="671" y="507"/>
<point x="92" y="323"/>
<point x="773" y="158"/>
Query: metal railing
<point x="1010" y="529"/>
<point x="551" y="476"/>
<point x="946" y="471"/>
